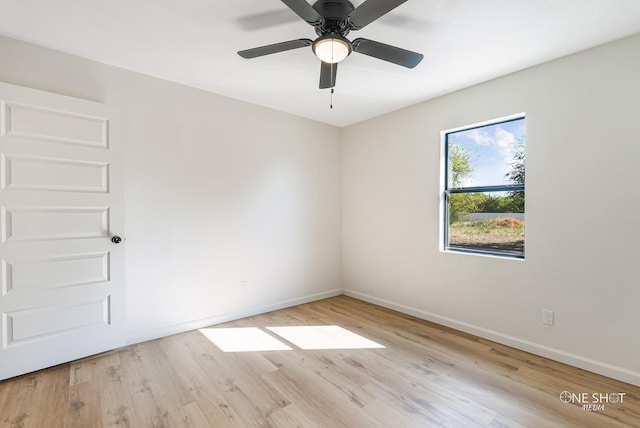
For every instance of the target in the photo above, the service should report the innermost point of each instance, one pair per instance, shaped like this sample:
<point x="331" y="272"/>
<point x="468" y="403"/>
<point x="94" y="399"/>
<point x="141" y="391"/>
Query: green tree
<point x="516" y="173"/>
<point x="461" y="204"/>
<point x="516" y="176"/>
<point x="460" y="165"/>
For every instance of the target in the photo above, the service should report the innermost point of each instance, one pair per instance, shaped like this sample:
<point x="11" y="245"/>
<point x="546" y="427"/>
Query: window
<point x="484" y="188"/>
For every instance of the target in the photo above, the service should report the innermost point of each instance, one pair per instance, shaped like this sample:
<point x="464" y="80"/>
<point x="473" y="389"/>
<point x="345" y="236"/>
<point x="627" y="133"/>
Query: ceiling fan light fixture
<point x="331" y="48"/>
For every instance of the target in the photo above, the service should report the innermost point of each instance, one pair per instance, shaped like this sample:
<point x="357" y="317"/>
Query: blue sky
<point x="491" y="149"/>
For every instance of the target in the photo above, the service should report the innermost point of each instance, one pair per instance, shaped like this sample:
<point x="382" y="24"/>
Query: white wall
<point x="217" y="192"/>
<point x="582" y="248"/>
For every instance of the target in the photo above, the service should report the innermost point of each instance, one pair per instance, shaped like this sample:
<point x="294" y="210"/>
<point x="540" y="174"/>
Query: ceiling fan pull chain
<point x="331" y="99"/>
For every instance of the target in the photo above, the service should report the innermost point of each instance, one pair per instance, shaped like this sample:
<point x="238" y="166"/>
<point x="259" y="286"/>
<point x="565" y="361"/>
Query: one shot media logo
<point x="594" y="401"/>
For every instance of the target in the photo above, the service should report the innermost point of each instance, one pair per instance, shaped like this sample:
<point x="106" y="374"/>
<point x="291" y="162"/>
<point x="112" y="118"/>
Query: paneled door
<point x="61" y="202"/>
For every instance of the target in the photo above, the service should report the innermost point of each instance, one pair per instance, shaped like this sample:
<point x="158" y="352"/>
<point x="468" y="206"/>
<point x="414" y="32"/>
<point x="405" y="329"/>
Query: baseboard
<point x="599" y="367"/>
<point x="231" y="316"/>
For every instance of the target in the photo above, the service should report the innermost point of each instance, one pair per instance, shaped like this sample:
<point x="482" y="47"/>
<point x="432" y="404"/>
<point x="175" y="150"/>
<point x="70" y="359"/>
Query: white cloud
<point x="503" y="141"/>
<point x="480" y="137"/>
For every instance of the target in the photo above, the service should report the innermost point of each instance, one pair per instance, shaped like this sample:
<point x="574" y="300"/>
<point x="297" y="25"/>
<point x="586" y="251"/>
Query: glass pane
<point x="491" y="155"/>
<point x="486" y="221"/>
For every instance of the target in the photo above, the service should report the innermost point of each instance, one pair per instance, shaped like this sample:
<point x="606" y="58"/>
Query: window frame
<point x="446" y="192"/>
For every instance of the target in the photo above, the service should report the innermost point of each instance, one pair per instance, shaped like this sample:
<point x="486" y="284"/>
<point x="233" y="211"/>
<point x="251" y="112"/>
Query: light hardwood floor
<point x="425" y="376"/>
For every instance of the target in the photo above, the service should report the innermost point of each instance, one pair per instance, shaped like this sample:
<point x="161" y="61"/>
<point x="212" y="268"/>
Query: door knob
<point x="116" y="239"/>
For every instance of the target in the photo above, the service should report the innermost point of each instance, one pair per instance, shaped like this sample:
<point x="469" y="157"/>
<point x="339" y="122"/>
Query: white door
<point x="61" y="202"/>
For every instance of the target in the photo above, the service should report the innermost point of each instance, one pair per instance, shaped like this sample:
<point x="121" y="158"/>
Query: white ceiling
<point x="194" y="42"/>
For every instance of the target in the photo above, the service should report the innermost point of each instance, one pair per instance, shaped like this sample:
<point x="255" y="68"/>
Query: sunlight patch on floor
<point x="323" y="337"/>
<point x="245" y="339"/>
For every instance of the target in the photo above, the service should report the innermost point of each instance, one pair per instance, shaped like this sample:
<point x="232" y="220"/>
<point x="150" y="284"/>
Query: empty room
<point x="331" y="213"/>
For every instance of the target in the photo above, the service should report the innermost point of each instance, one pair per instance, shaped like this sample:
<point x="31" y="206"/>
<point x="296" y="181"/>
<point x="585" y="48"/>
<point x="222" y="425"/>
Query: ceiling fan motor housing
<point x="335" y="15"/>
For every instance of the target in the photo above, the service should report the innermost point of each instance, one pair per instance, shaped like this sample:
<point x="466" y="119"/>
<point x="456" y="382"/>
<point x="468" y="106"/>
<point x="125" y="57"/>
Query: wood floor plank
<point x="191" y="416"/>
<point x="315" y="397"/>
<point x="424" y="375"/>
<point x="84" y="406"/>
<point x="292" y="416"/>
<point x="114" y="392"/>
<point x="208" y="399"/>
<point x="234" y="377"/>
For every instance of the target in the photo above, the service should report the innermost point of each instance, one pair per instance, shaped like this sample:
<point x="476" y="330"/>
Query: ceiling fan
<point x="333" y="20"/>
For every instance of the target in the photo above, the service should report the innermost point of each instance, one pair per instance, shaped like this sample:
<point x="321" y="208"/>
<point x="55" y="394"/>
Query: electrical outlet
<point x="547" y="316"/>
<point x="244" y="286"/>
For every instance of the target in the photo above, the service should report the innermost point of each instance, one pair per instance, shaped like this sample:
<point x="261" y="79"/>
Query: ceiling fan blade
<point x="371" y="10"/>
<point x="304" y="11"/>
<point x="328" y="75"/>
<point x="264" y="20"/>
<point x="274" y="48"/>
<point x="388" y="53"/>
